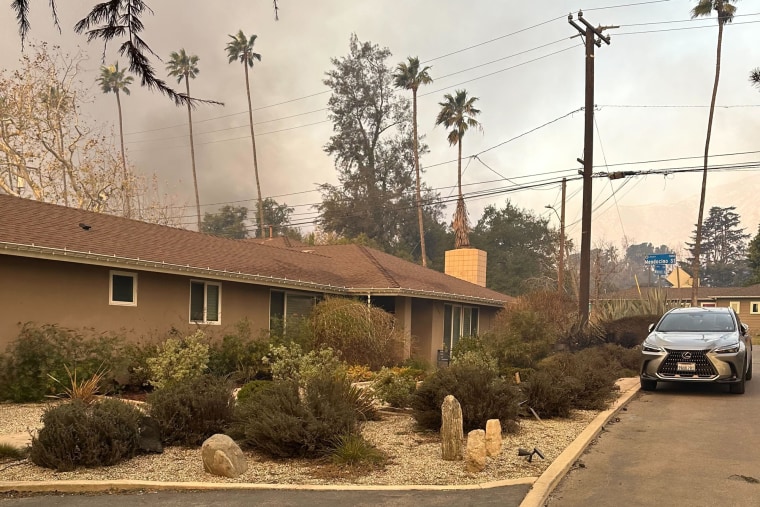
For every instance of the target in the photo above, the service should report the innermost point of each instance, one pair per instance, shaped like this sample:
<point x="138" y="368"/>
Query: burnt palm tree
<point x="409" y="76"/>
<point x="114" y="80"/>
<point x="458" y="113"/>
<point x="184" y="66"/>
<point x="725" y="11"/>
<point x="240" y="48"/>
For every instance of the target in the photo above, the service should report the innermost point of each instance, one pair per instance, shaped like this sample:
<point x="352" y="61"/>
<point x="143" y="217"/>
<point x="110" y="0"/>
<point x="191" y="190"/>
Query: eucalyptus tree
<point x="113" y="80"/>
<point x="240" y="48"/>
<point x="725" y="11"/>
<point x="458" y="113"/>
<point x="409" y="76"/>
<point x="184" y="66"/>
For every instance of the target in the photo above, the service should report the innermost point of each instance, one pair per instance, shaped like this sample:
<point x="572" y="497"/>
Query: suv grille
<point x="704" y="368"/>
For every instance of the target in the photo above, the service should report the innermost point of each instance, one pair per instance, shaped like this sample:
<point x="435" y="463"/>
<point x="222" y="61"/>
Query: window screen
<point x="197" y="296"/>
<point x="122" y="288"/>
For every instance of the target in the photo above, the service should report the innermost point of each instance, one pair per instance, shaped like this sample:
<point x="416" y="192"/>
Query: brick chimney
<point x="468" y="264"/>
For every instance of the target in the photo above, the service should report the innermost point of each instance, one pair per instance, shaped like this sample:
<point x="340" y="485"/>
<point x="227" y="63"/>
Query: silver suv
<point x="697" y="345"/>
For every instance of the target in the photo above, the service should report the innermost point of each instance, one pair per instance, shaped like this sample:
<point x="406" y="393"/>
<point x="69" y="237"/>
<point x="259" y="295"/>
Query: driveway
<point x="690" y="445"/>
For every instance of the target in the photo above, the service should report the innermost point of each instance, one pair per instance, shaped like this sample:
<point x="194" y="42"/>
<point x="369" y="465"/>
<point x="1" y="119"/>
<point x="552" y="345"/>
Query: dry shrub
<point x="362" y="334"/>
<point x="629" y="332"/>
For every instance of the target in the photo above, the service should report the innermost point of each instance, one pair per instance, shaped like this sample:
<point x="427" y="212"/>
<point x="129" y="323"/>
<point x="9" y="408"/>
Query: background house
<point x="79" y="269"/>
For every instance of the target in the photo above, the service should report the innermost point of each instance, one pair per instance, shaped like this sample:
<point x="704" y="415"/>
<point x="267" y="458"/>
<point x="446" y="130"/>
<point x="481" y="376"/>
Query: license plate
<point x="687" y="367"/>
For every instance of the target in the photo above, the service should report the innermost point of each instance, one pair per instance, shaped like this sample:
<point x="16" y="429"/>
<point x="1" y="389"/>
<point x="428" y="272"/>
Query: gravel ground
<point x="413" y="458"/>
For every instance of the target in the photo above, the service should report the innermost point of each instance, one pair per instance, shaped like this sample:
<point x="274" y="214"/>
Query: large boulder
<point x="475" y="458"/>
<point x="452" y="432"/>
<point x="493" y="437"/>
<point x="222" y="456"/>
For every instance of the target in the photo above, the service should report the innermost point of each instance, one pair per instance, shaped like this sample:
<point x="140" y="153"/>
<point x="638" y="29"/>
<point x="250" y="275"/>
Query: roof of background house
<point x="34" y="229"/>
<point x="704" y="293"/>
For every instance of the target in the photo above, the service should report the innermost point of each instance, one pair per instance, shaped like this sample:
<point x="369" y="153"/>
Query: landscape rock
<point x="493" y="437"/>
<point x="222" y="456"/>
<point x="452" y="432"/>
<point x="150" y="435"/>
<point x="475" y="458"/>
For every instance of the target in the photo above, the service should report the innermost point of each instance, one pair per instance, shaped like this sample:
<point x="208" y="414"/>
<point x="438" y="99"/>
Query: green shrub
<point x="133" y="372"/>
<point x="284" y="420"/>
<point x="550" y="393"/>
<point x="75" y="434"/>
<point x="239" y="355"/>
<point x="353" y="451"/>
<point x="361" y="334"/>
<point x="481" y="392"/>
<point x="11" y="452"/>
<point x="289" y="362"/>
<point x="40" y="353"/>
<point x="250" y="388"/>
<point x="394" y="387"/>
<point x="178" y="359"/>
<point x="191" y="410"/>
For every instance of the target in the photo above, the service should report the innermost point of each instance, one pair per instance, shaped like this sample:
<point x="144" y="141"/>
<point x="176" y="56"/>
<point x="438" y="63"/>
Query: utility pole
<point x="561" y="274"/>
<point x="590" y="33"/>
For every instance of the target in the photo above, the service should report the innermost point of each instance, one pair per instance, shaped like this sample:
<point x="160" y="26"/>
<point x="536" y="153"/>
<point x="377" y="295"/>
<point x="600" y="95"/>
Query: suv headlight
<point x="648" y="347"/>
<point x="728" y="349"/>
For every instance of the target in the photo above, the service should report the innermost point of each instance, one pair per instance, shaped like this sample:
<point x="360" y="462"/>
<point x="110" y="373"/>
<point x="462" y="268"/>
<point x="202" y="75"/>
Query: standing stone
<point x="452" y="434"/>
<point x="475" y="459"/>
<point x="222" y="456"/>
<point x="493" y="437"/>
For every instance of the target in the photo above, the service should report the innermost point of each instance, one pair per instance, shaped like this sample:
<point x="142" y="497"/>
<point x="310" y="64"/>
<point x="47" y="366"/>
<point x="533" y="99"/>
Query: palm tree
<point x="114" y="80"/>
<point x="58" y="102"/>
<point x="458" y="113"/>
<point x="184" y="66"/>
<point x="410" y="77"/>
<point x="725" y="11"/>
<point x="240" y="48"/>
<point x="754" y="77"/>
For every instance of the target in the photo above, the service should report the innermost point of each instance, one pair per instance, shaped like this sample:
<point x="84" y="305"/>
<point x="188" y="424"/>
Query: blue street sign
<point x="659" y="269"/>
<point x="655" y="259"/>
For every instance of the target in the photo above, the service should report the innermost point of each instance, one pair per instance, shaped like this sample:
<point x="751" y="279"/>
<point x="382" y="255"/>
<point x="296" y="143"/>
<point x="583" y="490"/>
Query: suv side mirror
<point x="745" y="329"/>
<point x="651" y="326"/>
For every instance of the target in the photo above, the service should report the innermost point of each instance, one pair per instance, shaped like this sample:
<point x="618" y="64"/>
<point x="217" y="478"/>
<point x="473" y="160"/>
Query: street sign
<point x="659" y="269"/>
<point x="655" y="259"/>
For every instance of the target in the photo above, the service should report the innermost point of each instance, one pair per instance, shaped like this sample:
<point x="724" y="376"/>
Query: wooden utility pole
<point x="561" y="271"/>
<point x="590" y="33"/>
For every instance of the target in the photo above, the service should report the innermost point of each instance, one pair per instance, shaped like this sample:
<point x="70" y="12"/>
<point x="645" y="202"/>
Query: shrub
<point x="361" y="334"/>
<point x="288" y="362"/>
<point x="191" y="410"/>
<point x="41" y="353"/>
<point x="394" y="387"/>
<point x="482" y="394"/>
<point x="179" y="358"/>
<point x="550" y="393"/>
<point x="239" y="355"/>
<point x="133" y="372"/>
<point x="74" y="434"/>
<point x="250" y="388"/>
<point x="83" y="389"/>
<point x="630" y="331"/>
<point x="353" y="451"/>
<point x="284" y="420"/>
<point x="12" y="453"/>
<point x="359" y="373"/>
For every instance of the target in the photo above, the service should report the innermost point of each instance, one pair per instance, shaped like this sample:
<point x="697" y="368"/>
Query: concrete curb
<point x="543" y="487"/>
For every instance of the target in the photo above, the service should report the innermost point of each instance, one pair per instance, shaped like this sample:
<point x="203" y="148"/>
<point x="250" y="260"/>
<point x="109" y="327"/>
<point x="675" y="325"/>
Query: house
<point x="744" y="300"/>
<point x="78" y="269"/>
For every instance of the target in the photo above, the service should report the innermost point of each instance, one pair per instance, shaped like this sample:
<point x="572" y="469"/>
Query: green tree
<point x="277" y="217"/>
<point x="753" y="259"/>
<point x="409" y="76"/>
<point x="520" y="248"/>
<point x="373" y="149"/>
<point x="229" y="222"/>
<point x="114" y="80"/>
<point x="725" y="11"/>
<point x="723" y="246"/>
<point x="184" y="66"/>
<point x="240" y="48"/>
<point x="458" y="113"/>
<point x="634" y="267"/>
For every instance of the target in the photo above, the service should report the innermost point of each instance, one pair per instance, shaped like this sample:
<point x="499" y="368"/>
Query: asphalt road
<point x="694" y="445"/>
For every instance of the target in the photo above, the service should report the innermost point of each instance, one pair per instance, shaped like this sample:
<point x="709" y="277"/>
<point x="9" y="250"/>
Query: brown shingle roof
<point x="31" y="228"/>
<point x="705" y="293"/>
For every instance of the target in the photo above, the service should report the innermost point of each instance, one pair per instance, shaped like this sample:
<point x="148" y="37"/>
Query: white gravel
<point x="413" y="458"/>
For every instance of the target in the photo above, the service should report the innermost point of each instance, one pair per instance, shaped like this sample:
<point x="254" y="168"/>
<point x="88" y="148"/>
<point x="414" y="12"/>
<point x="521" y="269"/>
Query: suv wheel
<point x="648" y="385"/>
<point x="748" y="376"/>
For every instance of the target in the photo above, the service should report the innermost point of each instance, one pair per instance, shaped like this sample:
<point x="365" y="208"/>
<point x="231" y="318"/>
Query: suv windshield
<point x="697" y="321"/>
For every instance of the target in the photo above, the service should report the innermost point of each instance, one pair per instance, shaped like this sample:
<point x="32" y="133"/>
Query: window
<point x="754" y="307"/>
<point x="458" y="321"/>
<point x="122" y="288"/>
<point x="735" y="305"/>
<point x="707" y="305"/>
<point x="284" y="306"/>
<point x="205" y="302"/>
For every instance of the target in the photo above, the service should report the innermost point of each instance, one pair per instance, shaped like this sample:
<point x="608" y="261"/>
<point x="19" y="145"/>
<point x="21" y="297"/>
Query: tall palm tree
<point x="409" y="76"/>
<point x="725" y="11"/>
<point x="458" y="113"/>
<point x="754" y="77"/>
<point x="114" y="80"/>
<point x="240" y="48"/>
<point x="184" y="66"/>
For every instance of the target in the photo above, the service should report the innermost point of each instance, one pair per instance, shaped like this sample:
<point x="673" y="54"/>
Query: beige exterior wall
<point x="467" y="264"/>
<point x="76" y="296"/>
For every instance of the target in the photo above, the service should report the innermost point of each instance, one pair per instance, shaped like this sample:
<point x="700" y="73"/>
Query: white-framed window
<point x="707" y="305"/>
<point x="736" y="305"/>
<point x="122" y="288"/>
<point x="287" y="306"/>
<point x="458" y="321"/>
<point x="205" y="302"/>
<point x="754" y="307"/>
